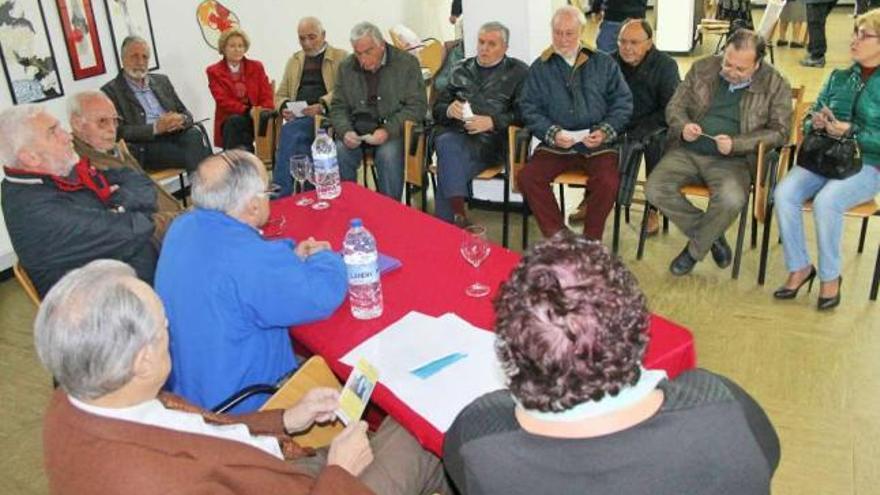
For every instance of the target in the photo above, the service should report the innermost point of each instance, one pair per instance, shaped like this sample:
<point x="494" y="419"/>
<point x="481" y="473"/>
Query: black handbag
<point x="829" y="156"/>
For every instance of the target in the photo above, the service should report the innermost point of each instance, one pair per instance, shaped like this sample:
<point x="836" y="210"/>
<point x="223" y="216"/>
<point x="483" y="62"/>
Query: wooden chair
<point x="313" y="373"/>
<point x="415" y="161"/>
<point x="265" y="144"/>
<point x="26" y="283"/>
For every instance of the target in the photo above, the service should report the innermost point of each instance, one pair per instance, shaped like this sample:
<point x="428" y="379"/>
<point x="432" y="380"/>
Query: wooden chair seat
<point x="313" y="373"/>
<point x="572" y="178"/>
<point x="863" y="210"/>
<point x="168" y="173"/>
<point x="695" y="190"/>
<point x="26" y="283"/>
<point x="489" y="173"/>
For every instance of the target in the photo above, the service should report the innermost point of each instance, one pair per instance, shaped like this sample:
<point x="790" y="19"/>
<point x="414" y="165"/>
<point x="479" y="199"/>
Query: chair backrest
<point x="431" y="55"/>
<point x="413" y="153"/>
<point x="264" y="146"/>
<point x="518" y="143"/>
<point x="313" y="373"/>
<point x="26" y="283"/>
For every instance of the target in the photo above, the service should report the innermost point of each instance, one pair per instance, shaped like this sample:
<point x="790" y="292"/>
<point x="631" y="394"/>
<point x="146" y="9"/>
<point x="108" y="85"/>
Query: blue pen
<point x="433" y="367"/>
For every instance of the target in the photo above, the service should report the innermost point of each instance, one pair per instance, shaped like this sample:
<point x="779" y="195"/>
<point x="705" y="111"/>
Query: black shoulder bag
<point x="829" y="156"/>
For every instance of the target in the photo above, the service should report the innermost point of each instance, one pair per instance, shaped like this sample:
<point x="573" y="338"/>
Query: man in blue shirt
<point x="156" y="125"/>
<point x="231" y="295"/>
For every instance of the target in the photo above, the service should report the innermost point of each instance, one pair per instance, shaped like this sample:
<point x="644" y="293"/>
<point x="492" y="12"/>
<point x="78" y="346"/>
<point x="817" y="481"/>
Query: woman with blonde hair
<point x="237" y="84"/>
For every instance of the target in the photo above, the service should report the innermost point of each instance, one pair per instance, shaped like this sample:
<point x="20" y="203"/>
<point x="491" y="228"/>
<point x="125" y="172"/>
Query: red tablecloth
<point x="432" y="280"/>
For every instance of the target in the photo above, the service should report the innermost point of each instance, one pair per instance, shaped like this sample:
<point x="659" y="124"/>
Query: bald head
<point x="311" y="35"/>
<point x="233" y="182"/>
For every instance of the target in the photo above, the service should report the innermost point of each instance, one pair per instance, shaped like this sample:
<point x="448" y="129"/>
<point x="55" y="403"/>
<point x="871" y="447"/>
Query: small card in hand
<point x="357" y="391"/>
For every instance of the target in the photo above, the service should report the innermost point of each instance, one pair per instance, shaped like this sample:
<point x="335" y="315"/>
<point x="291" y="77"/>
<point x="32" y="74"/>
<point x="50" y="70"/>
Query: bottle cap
<point x="356" y="222"/>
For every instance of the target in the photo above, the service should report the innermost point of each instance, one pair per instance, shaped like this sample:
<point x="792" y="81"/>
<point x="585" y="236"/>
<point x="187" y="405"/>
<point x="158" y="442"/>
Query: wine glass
<point x="301" y="170"/>
<point x="475" y="249"/>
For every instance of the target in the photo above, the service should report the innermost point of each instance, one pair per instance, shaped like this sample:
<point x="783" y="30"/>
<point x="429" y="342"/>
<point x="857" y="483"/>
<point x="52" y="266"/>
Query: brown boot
<point x="579" y="214"/>
<point x="653" y="223"/>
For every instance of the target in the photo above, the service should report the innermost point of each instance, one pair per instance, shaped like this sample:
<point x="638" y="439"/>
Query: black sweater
<point x="709" y="437"/>
<point x="652" y="83"/>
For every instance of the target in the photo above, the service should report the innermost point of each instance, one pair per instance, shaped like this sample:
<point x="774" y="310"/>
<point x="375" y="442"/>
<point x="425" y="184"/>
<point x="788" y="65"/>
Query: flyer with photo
<point x="356" y="393"/>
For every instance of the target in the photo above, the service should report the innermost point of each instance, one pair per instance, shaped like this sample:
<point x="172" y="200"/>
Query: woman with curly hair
<point x="582" y="415"/>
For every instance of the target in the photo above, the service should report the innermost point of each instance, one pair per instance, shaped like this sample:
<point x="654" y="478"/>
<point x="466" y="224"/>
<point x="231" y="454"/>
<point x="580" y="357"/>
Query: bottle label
<point x="363" y="273"/>
<point x="324" y="164"/>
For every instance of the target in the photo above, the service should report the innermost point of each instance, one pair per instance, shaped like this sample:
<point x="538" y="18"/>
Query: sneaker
<point x="812" y="62"/>
<point x="462" y="221"/>
<point x="782" y="43"/>
<point x="795" y="44"/>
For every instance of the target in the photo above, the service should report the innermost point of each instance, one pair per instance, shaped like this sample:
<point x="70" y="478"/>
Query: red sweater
<point x="222" y="85"/>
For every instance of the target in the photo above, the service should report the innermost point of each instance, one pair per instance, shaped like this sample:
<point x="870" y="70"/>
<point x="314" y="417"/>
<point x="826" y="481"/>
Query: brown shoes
<point x="653" y="223"/>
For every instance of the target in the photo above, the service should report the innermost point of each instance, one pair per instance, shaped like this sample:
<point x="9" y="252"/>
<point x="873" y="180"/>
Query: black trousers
<point x="185" y="149"/>
<point x="817" y="14"/>
<point x="238" y="132"/>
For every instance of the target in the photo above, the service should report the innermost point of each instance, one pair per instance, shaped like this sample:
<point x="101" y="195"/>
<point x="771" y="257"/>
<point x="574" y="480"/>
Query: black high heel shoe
<point x="786" y="293"/>
<point x="826" y="303"/>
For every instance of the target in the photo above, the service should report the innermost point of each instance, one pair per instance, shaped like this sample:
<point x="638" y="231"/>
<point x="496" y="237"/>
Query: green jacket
<point x="838" y="94"/>
<point x="401" y="93"/>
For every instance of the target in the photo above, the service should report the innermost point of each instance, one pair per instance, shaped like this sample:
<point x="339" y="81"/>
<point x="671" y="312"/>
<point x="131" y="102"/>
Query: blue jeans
<point x="607" y="38"/>
<point x="458" y="162"/>
<point x="296" y="139"/>
<point x="388" y="159"/>
<point x="831" y="198"/>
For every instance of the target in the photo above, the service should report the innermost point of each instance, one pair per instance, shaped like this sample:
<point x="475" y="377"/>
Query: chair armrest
<point x="243" y="394"/>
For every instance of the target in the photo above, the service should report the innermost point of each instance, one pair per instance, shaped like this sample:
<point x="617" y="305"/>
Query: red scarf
<point x="87" y="177"/>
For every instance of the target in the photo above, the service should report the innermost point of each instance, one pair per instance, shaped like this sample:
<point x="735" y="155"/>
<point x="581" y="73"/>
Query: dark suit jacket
<point x="89" y="454"/>
<point x="134" y="127"/>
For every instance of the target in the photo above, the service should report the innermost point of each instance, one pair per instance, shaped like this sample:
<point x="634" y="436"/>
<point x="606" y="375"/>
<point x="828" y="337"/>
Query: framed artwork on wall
<point x="130" y="18"/>
<point x="83" y="44"/>
<point x="26" y="52"/>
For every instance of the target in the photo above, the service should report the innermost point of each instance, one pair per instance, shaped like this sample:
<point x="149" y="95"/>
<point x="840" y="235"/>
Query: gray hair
<point x="743" y="39"/>
<point x="75" y="102"/>
<point x="90" y="328"/>
<point x="570" y="12"/>
<point x="131" y="40"/>
<point x="16" y="131"/>
<point x="366" y="28"/>
<point x="230" y="191"/>
<point x="496" y="27"/>
<point x="314" y="21"/>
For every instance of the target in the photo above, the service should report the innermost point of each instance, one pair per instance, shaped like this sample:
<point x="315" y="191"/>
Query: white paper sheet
<point x="417" y="339"/>
<point x="577" y="135"/>
<point x="297" y="107"/>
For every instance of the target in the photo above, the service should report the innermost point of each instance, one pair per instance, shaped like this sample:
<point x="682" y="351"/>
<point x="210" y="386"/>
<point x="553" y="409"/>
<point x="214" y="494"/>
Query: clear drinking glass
<point x="301" y="170"/>
<point x="475" y="249"/>
<point x="320" y="204"/>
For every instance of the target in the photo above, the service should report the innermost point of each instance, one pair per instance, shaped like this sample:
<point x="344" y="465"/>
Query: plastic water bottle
<point x="362" y="263"/>
<point x="326" y="166"/>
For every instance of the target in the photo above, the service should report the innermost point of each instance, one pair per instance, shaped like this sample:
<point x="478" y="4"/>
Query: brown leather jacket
<point x="765" y="109"/>
<point x="167" y="207"/>
<point x="89" y="454"/>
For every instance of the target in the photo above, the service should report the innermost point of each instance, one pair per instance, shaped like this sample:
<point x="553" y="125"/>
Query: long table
<point x="432" y="280"/>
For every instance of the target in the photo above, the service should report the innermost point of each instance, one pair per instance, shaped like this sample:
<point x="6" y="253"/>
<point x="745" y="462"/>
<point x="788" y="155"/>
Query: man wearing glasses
<point x="93" y="120"/>
<point x="230" y="294"/>
<point x="725" y="107"/>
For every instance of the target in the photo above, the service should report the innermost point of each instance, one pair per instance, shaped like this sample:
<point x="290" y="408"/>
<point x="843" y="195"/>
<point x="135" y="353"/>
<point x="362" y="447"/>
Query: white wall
<point x="183" y="55"/>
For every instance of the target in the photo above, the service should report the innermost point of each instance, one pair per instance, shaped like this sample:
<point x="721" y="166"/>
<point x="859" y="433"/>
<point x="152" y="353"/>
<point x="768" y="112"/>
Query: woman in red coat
<point x="237" y="84"/>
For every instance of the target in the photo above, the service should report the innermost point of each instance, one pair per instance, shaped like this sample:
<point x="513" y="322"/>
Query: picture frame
<point x="127" y="18"/>
<point x="26" y="52"/>
<point x="81" y="36"/>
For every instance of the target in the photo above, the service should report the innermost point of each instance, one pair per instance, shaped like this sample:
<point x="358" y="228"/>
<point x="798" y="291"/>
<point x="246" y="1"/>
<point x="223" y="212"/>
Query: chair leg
<point x="525" y="225"/>
<point x="765" y="246"/>
<point x="425" y="191"/>
<point x="737" y="256"/>
<point x="643" y="232"/>
<point x="562" y="200"/>
<point x="626" y="215"/>
<point x="862" y="235"/>
<point x="754" y="232"/>
<point x="875" y="283"/>
<point x="665" y="224"/>
<point x="182" y="178"/>
<point x="615" y="235"/>
<point x="407" y="194"/>
<point x="505" y="213"/>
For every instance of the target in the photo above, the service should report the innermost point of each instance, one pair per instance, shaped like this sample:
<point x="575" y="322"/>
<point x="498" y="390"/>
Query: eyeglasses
<point x="108" y="121"/>
<point x="862" y="35"/>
